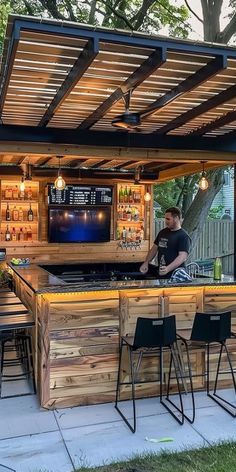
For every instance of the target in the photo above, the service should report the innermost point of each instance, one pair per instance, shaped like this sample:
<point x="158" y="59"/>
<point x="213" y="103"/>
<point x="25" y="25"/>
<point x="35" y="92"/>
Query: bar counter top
<point x="41" y="281"/>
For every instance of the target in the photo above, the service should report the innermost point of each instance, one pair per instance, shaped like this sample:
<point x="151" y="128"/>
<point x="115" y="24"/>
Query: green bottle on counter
<point x="217" y="269"/>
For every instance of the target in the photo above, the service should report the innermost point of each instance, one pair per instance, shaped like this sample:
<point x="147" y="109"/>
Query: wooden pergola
<point x="62" y="84"/>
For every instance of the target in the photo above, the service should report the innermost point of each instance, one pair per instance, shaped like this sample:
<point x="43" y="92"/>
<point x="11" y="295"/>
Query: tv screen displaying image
<point x="79" y="225"/>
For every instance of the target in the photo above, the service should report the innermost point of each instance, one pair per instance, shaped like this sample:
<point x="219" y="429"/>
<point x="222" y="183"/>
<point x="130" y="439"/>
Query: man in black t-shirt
<point x="172" y="245"/>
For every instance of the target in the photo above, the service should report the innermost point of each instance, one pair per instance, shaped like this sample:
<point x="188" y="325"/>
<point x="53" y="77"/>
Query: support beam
<point x="52" y="138"/>
<point x="153" y="62"/>
<point x="79" y="68"/>
<point x="7" y="69"/>
<point x="203" y="74"/>
<point x="218" y="123"/>
<point x="213" y="102"/>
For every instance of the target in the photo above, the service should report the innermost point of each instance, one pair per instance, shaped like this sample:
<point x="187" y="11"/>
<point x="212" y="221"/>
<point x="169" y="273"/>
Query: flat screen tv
<point x="79" y="225"/>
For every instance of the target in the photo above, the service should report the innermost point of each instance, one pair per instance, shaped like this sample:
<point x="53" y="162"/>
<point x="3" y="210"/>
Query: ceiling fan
<point x="128" y="120"/>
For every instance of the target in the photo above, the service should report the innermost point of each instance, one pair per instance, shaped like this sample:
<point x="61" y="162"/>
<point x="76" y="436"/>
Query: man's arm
<point x="182" y="257"/>
<point x="151" y="254"/>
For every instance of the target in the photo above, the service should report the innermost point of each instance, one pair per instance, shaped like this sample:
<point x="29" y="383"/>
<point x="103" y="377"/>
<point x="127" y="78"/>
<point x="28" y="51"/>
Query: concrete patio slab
<point x="33" y="439"/>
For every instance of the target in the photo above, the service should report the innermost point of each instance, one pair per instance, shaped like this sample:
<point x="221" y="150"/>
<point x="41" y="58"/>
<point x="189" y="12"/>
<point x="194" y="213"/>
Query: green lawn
<point x="221" y="458"/>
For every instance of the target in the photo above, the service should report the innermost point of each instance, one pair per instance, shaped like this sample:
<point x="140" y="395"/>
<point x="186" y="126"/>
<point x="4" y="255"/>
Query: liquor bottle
<point x="124" y="234"/>
<point x="8" y="213"/>
<point x="9" y="193"/>
<point x="7" y="234"/>
<point x="6" y="193"/>
<point x="13" y="235"/>
<point x="138" y="238"/>
<point x="21" y="214"/>
<point x="130" y="195"/>
<point x="133" y="234"/>
<point x="29" y="193"/>
<point x="128" y="214"/>
<point x="21" y="235"/>
<point x="22" y="193"/>
<point x="121" y="195"/>
<point x="129" y="235"/>
<point x="141" y="233"/>
<point x="15" y="214"/>
<point x="29" y="234"/>
<point x="138" y="196"/>
<point x="118" y="234"/>
<point x="15" y="193"/>
<point x="121" y="212"/>
<point x="136" y="214"/>
<point x="30" y="214"/>
<point x="217" y="269"/>
<point x="162" y="261"/>
<point x="126" y="194"/>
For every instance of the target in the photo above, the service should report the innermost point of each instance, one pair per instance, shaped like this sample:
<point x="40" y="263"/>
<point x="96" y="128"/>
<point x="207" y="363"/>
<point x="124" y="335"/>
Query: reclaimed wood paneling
<point x="83" y="338"/>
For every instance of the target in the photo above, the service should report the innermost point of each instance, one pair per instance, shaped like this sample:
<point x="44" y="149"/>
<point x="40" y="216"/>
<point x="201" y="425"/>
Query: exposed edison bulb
<point x="203" y="182"/>
<point x="59" y="183"/>
<point x="22" y="185"/>
<point x="147" y="196"/>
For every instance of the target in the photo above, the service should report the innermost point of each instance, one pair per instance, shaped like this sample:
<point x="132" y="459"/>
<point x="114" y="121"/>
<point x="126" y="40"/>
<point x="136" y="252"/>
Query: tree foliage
<point x="4" y="12"/>
<point x="135" y="15"/>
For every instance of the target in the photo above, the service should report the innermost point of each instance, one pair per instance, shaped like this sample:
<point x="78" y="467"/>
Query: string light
<point x="203" y="182"/>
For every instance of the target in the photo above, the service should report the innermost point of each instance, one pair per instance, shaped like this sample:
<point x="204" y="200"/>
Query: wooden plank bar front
<point x="77" y="337"/>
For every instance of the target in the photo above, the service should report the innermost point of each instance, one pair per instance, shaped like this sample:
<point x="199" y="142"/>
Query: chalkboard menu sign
<point x="80" y="195"/>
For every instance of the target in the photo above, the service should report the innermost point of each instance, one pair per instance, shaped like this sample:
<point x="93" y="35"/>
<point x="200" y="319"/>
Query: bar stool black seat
<point x="212" y="329"/>
<point x="12" y="329"/>
<point x="152" y="337"/>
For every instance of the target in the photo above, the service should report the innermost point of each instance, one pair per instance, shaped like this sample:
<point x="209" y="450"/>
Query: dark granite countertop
<point x="41" y="281"/>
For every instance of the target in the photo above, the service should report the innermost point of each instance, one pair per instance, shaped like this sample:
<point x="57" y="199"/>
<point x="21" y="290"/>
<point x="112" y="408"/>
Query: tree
<point x="4" y="12"/>
<point x="197" y="213"/>
<point x="135" y="15"/>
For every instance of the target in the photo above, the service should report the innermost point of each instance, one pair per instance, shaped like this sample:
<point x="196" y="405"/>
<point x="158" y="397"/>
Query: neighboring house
<point x="225" y="196"/>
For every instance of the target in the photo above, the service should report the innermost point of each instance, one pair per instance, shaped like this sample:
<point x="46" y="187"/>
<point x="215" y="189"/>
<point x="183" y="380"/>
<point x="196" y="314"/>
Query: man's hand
<point x="144" y="268"/>
<point x="163" y="270"/>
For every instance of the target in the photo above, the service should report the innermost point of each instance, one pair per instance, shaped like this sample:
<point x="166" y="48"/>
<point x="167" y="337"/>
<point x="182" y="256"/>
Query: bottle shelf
<point x="15" y="202"/>
<point x="21" y="222"/>
<point x="130" y="222"/>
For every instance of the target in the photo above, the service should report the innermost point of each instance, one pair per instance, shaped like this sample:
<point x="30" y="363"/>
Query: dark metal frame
<point x="158" y="353"/>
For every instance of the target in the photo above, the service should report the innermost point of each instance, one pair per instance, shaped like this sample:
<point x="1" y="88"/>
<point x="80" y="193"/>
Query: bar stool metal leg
<point x="225" y="404"/>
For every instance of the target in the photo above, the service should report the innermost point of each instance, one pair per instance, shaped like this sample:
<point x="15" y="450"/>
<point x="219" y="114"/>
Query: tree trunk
<point x="198" y="210"/>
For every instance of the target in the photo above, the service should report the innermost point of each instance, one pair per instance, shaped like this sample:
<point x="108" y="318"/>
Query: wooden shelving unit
<point x="17" y="204"/>
<point x="130" y="212"/>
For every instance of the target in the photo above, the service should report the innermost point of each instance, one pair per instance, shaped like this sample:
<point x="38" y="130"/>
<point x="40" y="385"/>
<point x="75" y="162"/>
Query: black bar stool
<point x="152" y="337"/>
<point x="213" y="329"/>
<point x="12" y="330"/>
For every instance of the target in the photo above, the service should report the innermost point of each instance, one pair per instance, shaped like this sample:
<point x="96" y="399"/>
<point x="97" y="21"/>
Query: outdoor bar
<point x="63" y="89"/>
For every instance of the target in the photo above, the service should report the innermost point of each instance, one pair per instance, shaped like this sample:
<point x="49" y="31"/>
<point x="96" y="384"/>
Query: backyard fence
<point x="216" y="239"/>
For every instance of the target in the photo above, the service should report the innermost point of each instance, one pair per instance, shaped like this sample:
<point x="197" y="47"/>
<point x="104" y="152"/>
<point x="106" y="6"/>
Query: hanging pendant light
<point x="203" y="182"/>
<point x="147" y="197"/>
<point x="59" y="183"/>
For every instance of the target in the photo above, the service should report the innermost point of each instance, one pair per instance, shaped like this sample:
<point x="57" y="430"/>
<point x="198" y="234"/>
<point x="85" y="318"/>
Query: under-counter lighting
<point x="59" y="183"/>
